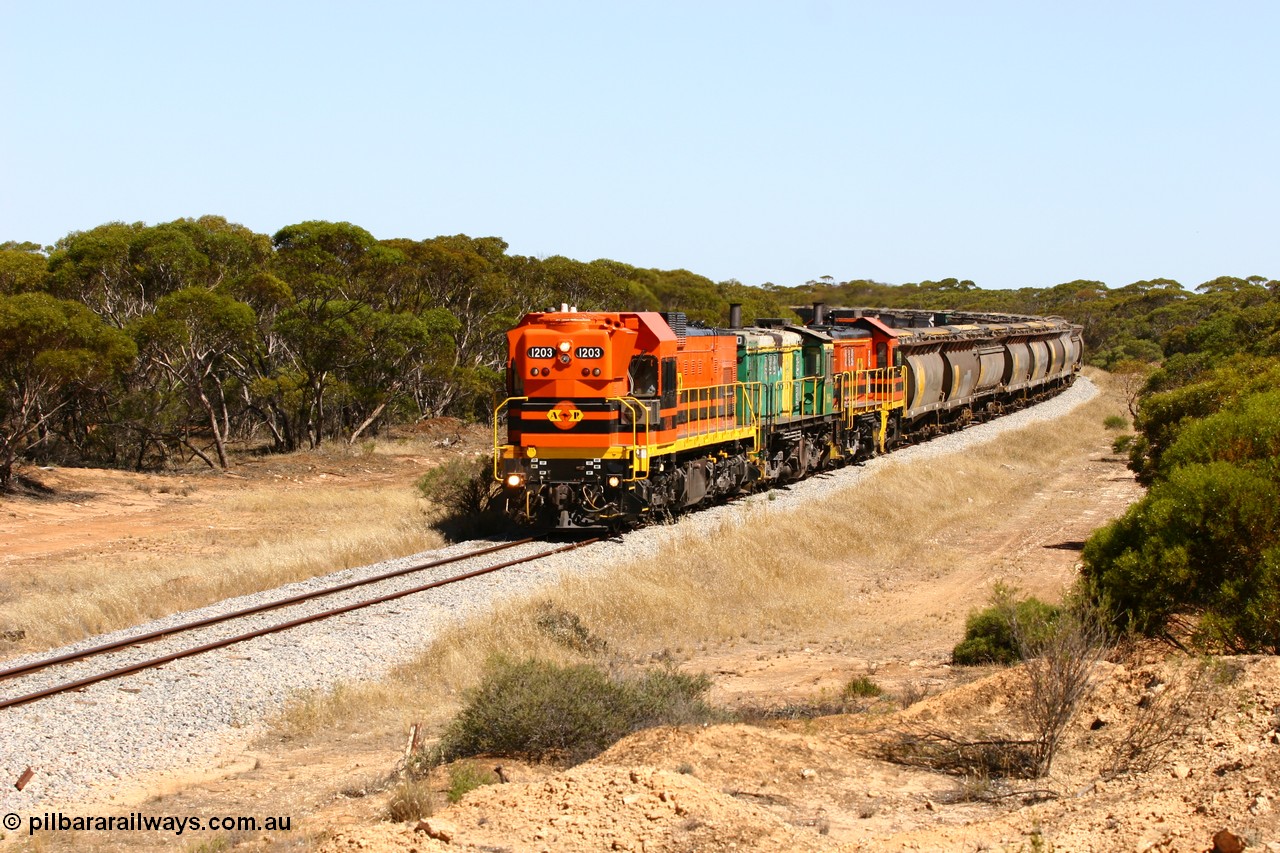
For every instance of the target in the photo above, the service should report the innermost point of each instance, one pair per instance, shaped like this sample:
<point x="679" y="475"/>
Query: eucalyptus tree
<point x="321" y="264"/>
<point x="96" y="267"/>
<point x="479" y="285"/>
<point x="23" y="267"/>
<point x="122" y="270"/>
<point x="384" y="370"/>
<point x="52" y="352"/>
<point x="193" y="338"/>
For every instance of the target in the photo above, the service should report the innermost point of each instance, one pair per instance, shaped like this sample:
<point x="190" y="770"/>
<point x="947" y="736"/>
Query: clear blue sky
<point x="1012" y="143"/>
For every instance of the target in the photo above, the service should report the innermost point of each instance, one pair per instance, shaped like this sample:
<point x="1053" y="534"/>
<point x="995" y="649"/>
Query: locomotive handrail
<point x="709" y="403"/>
<point x="873" y="388"/>
<point x="642" y="452"/>
<point x="779" y="385"/>
<point x="846" y="391"/>
<point x="640" y="460"/>
<point x="752" y="401"/>
<point x="497" y="445"/>
<point x="700" y="406"/>
<point x="755" y="415"/>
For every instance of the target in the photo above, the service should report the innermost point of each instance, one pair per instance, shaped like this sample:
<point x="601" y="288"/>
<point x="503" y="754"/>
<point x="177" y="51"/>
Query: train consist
<point x="613" y="418"/>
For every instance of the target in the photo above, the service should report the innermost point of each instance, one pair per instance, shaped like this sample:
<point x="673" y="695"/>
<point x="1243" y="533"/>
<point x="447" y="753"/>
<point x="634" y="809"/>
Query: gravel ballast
<point x="189" y="711"/>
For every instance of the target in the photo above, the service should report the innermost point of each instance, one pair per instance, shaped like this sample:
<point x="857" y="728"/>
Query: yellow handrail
<point x="703" y="405"/>
<point x="497" y="444"/>
<point x="640" y="464"/>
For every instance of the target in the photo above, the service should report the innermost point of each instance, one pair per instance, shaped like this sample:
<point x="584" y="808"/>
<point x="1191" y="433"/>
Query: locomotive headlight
<point x="564" y="358"/>
<point x="514" y="480"/>
<point x="614" y="481"/>
<point x="565" y="346"/>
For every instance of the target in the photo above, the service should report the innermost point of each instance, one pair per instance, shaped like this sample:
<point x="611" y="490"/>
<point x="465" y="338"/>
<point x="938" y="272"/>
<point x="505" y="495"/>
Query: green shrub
<point x="991" y="635"/>
<point x="466" y="496"/>
<point x="465" y="777"/>
<point x="1122" y="444"/>
<point x="1246" y="433"/>
<point x="861" y="687"/>
<point x="540" y="710"/>
<point x="1162" y="416"/>
<point x="1114" y="422"/>
<point x="1205" y="543"/>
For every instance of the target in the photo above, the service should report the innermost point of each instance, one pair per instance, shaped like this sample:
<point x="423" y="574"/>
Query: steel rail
<point x="84" y="654"/>
<point x="283" y="626"/>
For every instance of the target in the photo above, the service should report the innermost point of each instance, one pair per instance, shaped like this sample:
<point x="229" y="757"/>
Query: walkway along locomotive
<point x="613" y="418"/>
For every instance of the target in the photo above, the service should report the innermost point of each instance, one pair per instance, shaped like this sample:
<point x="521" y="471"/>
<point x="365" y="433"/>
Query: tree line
<point x="143" y="346"/>
<point x="147" y="346"/>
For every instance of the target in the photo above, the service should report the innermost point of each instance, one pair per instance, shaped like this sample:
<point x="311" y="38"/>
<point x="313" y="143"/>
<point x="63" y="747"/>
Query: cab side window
<point x="643" y="375"/>
<point x="668" y="382"/>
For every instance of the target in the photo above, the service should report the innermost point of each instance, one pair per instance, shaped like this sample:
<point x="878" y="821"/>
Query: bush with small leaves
<point x="989" y="635"/>
<point x="465" y="777"/>
<point x="466" y="496"/>
<point x="861" y="687"/>
<point x="1205" y="543"/>
<point x="1164" y="414"/>
<point x="540" y="710"/>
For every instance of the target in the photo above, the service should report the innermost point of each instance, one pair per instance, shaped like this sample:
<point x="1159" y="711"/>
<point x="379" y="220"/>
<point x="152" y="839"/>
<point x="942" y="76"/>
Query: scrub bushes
<point x="540" y="710"/>
<point x="1199" y="556"/>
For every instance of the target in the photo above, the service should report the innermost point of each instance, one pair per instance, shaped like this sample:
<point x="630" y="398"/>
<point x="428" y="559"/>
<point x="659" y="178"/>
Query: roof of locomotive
<point x="756" y="337"/>
<point x="651" y="325"/>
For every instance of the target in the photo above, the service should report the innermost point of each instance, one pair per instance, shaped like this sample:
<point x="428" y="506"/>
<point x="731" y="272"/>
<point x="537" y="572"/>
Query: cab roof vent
<point x="678" y="322"/>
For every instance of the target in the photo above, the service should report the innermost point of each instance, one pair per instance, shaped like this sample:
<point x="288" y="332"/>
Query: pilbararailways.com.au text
<point x="139" y="822"/>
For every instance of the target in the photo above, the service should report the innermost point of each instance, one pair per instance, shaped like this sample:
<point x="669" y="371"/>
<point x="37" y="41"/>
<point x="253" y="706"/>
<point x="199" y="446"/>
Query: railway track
<point x="17" y="672"/>
<point x="190" y="713"/>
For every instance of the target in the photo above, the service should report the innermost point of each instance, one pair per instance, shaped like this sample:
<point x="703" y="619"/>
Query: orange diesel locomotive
<point x="601" y="406"/>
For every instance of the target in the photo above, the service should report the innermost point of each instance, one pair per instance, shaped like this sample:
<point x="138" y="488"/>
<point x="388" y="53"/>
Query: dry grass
<point x="257" y="538"/>
<point x="1165" y="712"/>
<point x="769" y="572"/>
<point x="411" y="799"/>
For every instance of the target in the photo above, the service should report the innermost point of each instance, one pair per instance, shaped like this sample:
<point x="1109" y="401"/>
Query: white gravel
<point x="185" y="713"/>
